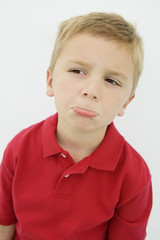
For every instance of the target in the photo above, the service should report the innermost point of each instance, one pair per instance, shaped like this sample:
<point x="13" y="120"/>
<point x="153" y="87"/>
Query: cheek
<point x="63" y="84"/>
<point x="62" y="97"/>
<point x="113" y="103"/>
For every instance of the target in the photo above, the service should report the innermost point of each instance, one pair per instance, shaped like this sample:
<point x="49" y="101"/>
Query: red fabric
<point x="106" y="195"/>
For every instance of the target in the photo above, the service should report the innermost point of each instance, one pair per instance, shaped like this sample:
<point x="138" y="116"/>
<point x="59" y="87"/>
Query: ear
<point x="49" y="82"/>
<point x="121" y="113"/>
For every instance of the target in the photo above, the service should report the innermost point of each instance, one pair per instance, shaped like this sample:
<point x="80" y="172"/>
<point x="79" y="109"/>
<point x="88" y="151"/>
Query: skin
<point x="91" y="82"/>
<point x="7" y="232"/>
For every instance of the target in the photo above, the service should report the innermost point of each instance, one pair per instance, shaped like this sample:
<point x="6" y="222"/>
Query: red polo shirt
<point x="107" y="195"/>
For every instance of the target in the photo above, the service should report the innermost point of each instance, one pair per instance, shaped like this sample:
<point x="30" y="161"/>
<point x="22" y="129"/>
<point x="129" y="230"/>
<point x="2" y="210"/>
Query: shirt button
<point x="67" y="175"/>
<point x="63" y="155"/>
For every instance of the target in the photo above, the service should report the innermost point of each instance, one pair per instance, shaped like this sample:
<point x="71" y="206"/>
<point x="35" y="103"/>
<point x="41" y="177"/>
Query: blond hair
<point x="109" y="25"/>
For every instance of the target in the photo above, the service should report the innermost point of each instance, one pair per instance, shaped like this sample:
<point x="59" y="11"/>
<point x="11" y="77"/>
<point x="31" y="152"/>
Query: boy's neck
<point x="77" y="142"/>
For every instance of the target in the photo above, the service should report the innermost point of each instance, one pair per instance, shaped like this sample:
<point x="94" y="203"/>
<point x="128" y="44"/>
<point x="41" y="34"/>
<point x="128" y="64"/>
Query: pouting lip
<point x="85" y="112"/>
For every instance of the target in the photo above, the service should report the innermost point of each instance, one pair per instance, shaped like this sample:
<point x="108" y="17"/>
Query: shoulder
<point x="136" y="176"/>
<point x="131" y="171"/>
<point x="25" y="134"/>
<point x="28" y="136"/>
<point x="134" y="163"/>
<point x="130" y="162"/>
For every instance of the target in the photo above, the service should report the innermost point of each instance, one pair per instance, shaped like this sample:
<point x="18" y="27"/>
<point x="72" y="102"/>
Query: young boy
<point x="73" y="176"/>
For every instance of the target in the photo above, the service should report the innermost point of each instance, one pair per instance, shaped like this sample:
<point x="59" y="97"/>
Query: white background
<point x="27" y="33"/>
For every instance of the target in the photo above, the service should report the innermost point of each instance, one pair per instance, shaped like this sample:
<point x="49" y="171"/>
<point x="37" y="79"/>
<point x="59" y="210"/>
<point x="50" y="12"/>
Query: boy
<point x="73" y="176"/>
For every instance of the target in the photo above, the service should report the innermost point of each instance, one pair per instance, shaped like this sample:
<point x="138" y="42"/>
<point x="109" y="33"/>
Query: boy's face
<point x="92" y="81"/>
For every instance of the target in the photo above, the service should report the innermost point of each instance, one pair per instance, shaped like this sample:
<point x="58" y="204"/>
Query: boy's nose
<point x="90" y="92"/>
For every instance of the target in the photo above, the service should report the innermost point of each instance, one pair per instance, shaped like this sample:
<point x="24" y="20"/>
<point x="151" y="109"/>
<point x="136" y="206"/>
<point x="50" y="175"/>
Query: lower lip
<point x="84" y="112"/>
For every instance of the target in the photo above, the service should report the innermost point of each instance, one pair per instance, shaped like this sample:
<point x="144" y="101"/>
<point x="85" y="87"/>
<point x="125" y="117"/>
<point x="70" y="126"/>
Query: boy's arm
<point x="7" y="232"/>
<point x="7" y="170"/>
<point x="131" y="218"/>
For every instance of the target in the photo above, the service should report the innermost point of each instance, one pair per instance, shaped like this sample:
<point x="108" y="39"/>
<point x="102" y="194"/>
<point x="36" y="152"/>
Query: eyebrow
<point x="79" y="62"/>
<point x="88" y="65"/>
<point x="119" y="74"/>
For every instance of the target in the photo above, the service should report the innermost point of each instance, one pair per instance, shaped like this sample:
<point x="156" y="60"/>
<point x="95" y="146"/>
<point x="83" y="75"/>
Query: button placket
<point x="64" y="187"/>
<point x="65" y="184"/>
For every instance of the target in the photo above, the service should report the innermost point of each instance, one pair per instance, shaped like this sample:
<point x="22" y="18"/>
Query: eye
<point x="77" y="71"/>
<point x="111" y="81"/>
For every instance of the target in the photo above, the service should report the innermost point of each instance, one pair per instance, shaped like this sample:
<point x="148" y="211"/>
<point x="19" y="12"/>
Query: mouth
<point x="85" y="112"/>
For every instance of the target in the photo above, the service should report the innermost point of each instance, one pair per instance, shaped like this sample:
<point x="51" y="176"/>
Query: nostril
<point x="92" y="96"/>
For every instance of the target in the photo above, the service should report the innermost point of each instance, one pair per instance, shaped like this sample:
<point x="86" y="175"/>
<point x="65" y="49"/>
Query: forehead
<point x="97" y="50"/>
<point x="86" y="43"/>
<point x="89" y="35"/>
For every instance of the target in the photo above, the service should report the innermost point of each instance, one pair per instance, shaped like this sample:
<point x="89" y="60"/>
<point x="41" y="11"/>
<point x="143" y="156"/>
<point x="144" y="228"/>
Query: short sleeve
<point x="130" y="219"/>
<point x="7" y="169"/>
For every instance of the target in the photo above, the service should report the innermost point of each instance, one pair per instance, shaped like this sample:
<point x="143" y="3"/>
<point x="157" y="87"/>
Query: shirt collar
<point x="105" y="157"/>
